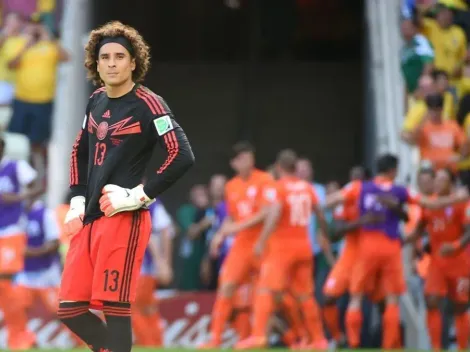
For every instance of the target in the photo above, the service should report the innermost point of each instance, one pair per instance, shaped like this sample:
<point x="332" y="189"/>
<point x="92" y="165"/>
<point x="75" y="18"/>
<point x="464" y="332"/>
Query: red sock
<point x="220" y="314"/>
<point x="435" y="327"/>
<point x="353" y="326"/>
<point x="263" y="307"/>
<point x="242" y="324"/>
<point x="391" y="326"/>
<point x="331" y="316"/>
<point x="291" y="310"/>
<point x="462" y="327"/>
<point x="312" y="319"/>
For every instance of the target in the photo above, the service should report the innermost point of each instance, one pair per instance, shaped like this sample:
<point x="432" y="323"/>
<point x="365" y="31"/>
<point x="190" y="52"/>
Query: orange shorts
<point x="104" y="259"/>
<point x="12" y="253"/>
<point x="379" y="257"/>
<point x="240" y="263"/>
<point x="49" y="297"/>
<point x="339" y="278"/>
<point x="441" y="282"/>
<point x="287" y="266"/>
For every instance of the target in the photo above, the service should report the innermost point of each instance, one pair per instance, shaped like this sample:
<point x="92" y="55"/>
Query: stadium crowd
<point x="189" y="250"/>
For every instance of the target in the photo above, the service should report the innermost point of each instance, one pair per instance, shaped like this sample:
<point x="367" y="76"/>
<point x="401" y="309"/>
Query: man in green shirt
<point x="417" y="55"/>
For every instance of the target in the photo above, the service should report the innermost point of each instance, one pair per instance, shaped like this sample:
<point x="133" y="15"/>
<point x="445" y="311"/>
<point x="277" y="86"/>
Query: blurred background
<point x="338" y="81"/>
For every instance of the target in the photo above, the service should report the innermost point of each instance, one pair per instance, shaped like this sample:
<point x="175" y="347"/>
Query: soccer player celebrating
<point x="108" y="217"/>
<point x="245" y="214"/>
<point x="292" y="201"/>
<point x="449" y="269"/>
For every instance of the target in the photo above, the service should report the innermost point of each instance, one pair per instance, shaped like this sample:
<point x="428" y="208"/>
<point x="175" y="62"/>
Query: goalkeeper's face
<point x="115" y="64"/>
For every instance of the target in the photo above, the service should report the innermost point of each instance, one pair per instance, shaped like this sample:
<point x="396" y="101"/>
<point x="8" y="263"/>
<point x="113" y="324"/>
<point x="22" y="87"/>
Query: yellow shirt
<point x="450" y="45"/>
<point x="36" y="75"/>
<point x="418" y="110"/>
<point x="45" y="5"/>
<point x="8" y="52"/>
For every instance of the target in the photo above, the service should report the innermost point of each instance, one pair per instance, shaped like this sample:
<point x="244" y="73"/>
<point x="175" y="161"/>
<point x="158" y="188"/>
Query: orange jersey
<point x="348" y="212"/>
<point x="244" y="199"/>
<point x="438" y="142"/>
<point x="446" y="226"/>
<point x="297" y="198"/>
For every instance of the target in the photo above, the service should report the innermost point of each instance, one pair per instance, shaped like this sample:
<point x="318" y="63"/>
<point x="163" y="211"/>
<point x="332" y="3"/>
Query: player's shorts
<point x="32" y="119"/>
<point x="239" y="264"/>
<point x="339" y="278"/>
<point x="444" y="283"/>
<point x="12" y="254"/>
<point x="49" y="296"/>
<point x="379" y="257"/>
<point x="287" y="265"/>
<point x="376" y="289"/>
<point x="104" y="259"/>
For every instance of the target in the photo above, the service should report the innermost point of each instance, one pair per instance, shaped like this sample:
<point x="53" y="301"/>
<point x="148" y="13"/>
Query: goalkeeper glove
<point x="74" y="219"/>
<point x="116" y="199"/>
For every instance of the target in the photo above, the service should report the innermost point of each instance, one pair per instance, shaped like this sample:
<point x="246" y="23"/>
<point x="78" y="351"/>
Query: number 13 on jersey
<point x="100" y="152"/>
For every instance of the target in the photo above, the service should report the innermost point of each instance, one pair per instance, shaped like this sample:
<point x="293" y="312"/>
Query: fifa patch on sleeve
<point x="163" y="124"/>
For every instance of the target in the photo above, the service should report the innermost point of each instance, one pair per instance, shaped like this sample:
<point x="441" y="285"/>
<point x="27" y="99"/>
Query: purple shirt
<point x="37" y="237"/>
<point x="368" y="203"/>
<point x="9" y="183"/>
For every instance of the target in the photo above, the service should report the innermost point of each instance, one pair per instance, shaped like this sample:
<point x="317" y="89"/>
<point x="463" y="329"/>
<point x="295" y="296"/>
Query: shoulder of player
<point x="151" y="102"/>
<point x="458" y="30"/>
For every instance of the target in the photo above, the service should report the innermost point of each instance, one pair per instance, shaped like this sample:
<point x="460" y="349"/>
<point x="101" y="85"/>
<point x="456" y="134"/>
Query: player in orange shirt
<point x="337" y="282"/>
<point x="288" y="256"/>
<point x="245" y="214"/>
<point x="441" y="142"/>
<point x="449" y="269"/>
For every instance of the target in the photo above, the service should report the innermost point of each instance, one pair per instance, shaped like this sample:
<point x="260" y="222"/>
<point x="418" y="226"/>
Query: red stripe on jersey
<point x="73" y="161"/>
<point x="145" y="97"/>
<point x="99" y="90"/>
<point x="172" y="146"/>
<point x="152" y="100"/>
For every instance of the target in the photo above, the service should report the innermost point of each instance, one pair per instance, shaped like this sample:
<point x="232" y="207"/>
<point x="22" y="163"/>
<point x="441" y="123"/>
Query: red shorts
<point x="104" y="259"/>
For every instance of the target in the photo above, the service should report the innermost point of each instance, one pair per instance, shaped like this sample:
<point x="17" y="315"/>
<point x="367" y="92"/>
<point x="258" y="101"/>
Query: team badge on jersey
<point x="163" y="125"/>
<point x="102" y="131"/>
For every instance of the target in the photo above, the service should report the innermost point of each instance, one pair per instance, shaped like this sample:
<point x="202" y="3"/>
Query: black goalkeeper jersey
<point x="117" y="140"/>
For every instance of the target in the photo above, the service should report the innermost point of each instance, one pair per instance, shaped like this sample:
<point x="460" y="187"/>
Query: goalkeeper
<point x="108" y="216"/>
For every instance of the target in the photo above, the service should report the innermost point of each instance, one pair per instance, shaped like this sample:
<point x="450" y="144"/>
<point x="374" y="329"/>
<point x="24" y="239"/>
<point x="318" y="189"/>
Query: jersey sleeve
<point x="351" y="191"/>
<point x="79" y="157"/>
<point x="339" y="213"/>
<point x="412" y="197"/>
<point x="270" y="194"/>
<point x="51" y="227"/>
<point x="171" y="138"/>
<point x="25" y="173"/>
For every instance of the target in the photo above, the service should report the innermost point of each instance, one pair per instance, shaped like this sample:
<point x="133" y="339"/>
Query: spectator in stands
<point x="443" y="143"/>
<point x="417" y="112"/>
<point x="10" y="44"/>
<point x="441" y="81"/>
<point x="417" y="55"/>
<point x="194" y="243"/>
<point x="36" y="67"/>
<point x="449" y="42"/>
<point x="463" y="119"/>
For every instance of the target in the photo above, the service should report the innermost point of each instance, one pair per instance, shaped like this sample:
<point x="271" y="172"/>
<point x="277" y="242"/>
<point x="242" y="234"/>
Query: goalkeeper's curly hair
<point x="115" y="29"/>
